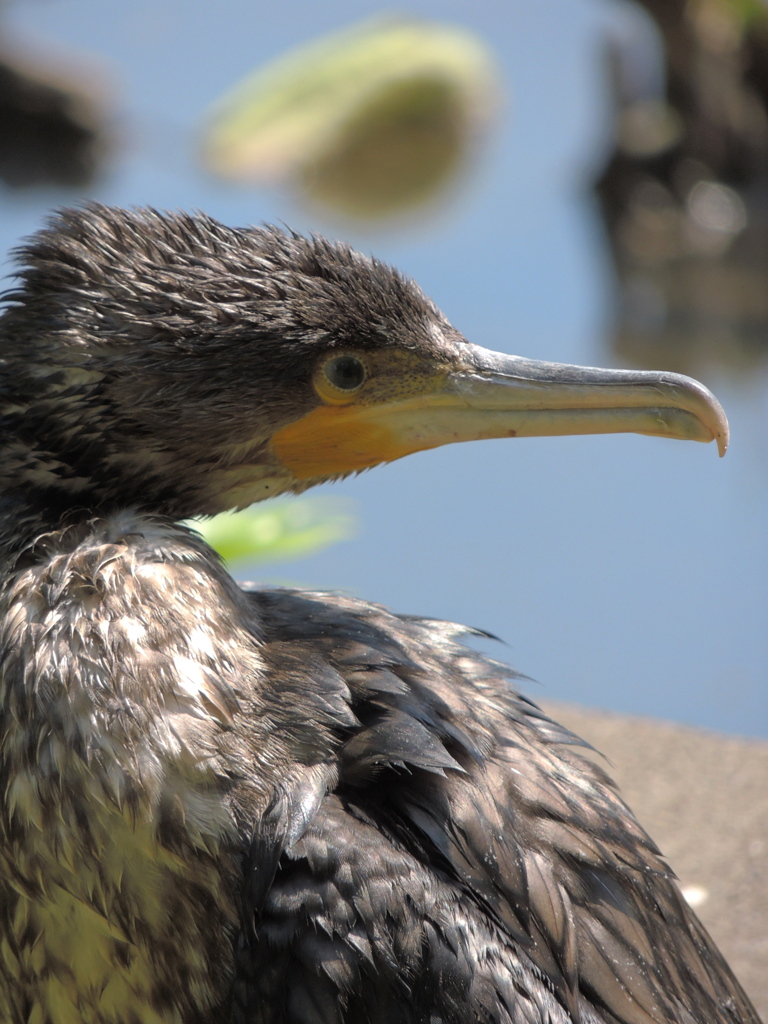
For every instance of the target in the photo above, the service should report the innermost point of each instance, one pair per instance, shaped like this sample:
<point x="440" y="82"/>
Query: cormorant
<point x="272" y="806"/>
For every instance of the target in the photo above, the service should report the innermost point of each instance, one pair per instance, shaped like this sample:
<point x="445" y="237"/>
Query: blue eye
<point x="345" y="372"/>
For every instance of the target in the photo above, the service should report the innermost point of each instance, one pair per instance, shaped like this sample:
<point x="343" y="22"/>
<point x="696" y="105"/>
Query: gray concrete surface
<point x="703" y="797"/>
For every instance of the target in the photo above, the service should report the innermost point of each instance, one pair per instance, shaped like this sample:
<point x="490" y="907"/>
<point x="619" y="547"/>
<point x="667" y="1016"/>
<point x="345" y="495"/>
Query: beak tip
<point x="723" y="431"/>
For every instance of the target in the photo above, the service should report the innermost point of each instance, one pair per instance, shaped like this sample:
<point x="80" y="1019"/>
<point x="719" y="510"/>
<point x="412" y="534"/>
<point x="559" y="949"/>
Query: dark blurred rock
<point x="52" y="131"/>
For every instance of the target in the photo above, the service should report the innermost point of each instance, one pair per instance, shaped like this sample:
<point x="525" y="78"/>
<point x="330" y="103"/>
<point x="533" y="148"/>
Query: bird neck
<point x="27" y="515"/>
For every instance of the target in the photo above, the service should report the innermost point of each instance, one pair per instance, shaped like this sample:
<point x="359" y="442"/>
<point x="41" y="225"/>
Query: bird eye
<point x="346" y="373"/>
<point x="337" y="379"/>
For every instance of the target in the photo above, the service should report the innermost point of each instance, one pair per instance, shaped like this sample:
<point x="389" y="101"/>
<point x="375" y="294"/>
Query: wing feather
<point x="482" y="866"/>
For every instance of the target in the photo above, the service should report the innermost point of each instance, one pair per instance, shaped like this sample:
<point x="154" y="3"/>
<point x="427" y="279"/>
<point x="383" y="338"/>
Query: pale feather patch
<point x="125" y="729"/>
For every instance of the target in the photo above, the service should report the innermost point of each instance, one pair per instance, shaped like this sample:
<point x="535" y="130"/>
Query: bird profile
<point x="220" y="803"/>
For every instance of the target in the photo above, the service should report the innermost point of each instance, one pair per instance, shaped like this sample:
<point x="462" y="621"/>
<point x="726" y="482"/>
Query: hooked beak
<point x="533" y="399"/>
<point x="492" y="395"/>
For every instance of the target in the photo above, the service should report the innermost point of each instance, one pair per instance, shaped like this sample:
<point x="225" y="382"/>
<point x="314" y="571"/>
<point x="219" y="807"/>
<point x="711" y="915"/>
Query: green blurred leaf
<point x="278" y="530"/>
<point x="748" y="11"/>
<point x="368" y="120"/>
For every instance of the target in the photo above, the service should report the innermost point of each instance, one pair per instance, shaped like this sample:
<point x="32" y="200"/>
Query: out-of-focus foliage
<point x="368" y="121"/>
<point x="747" y="11"/>
<point x="279" y="530"/>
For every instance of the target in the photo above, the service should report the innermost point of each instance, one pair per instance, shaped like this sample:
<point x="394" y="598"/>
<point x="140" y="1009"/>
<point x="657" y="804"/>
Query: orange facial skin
<point x="336" y="439"/>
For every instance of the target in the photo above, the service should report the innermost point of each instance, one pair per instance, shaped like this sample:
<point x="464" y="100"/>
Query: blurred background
<point x="577" y="180"/>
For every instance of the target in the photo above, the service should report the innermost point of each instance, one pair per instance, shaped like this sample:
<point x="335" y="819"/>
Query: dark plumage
<point x="270" y="806"/>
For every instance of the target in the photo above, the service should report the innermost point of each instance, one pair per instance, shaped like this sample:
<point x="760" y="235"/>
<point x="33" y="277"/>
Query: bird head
<point x="180" y="366"/>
